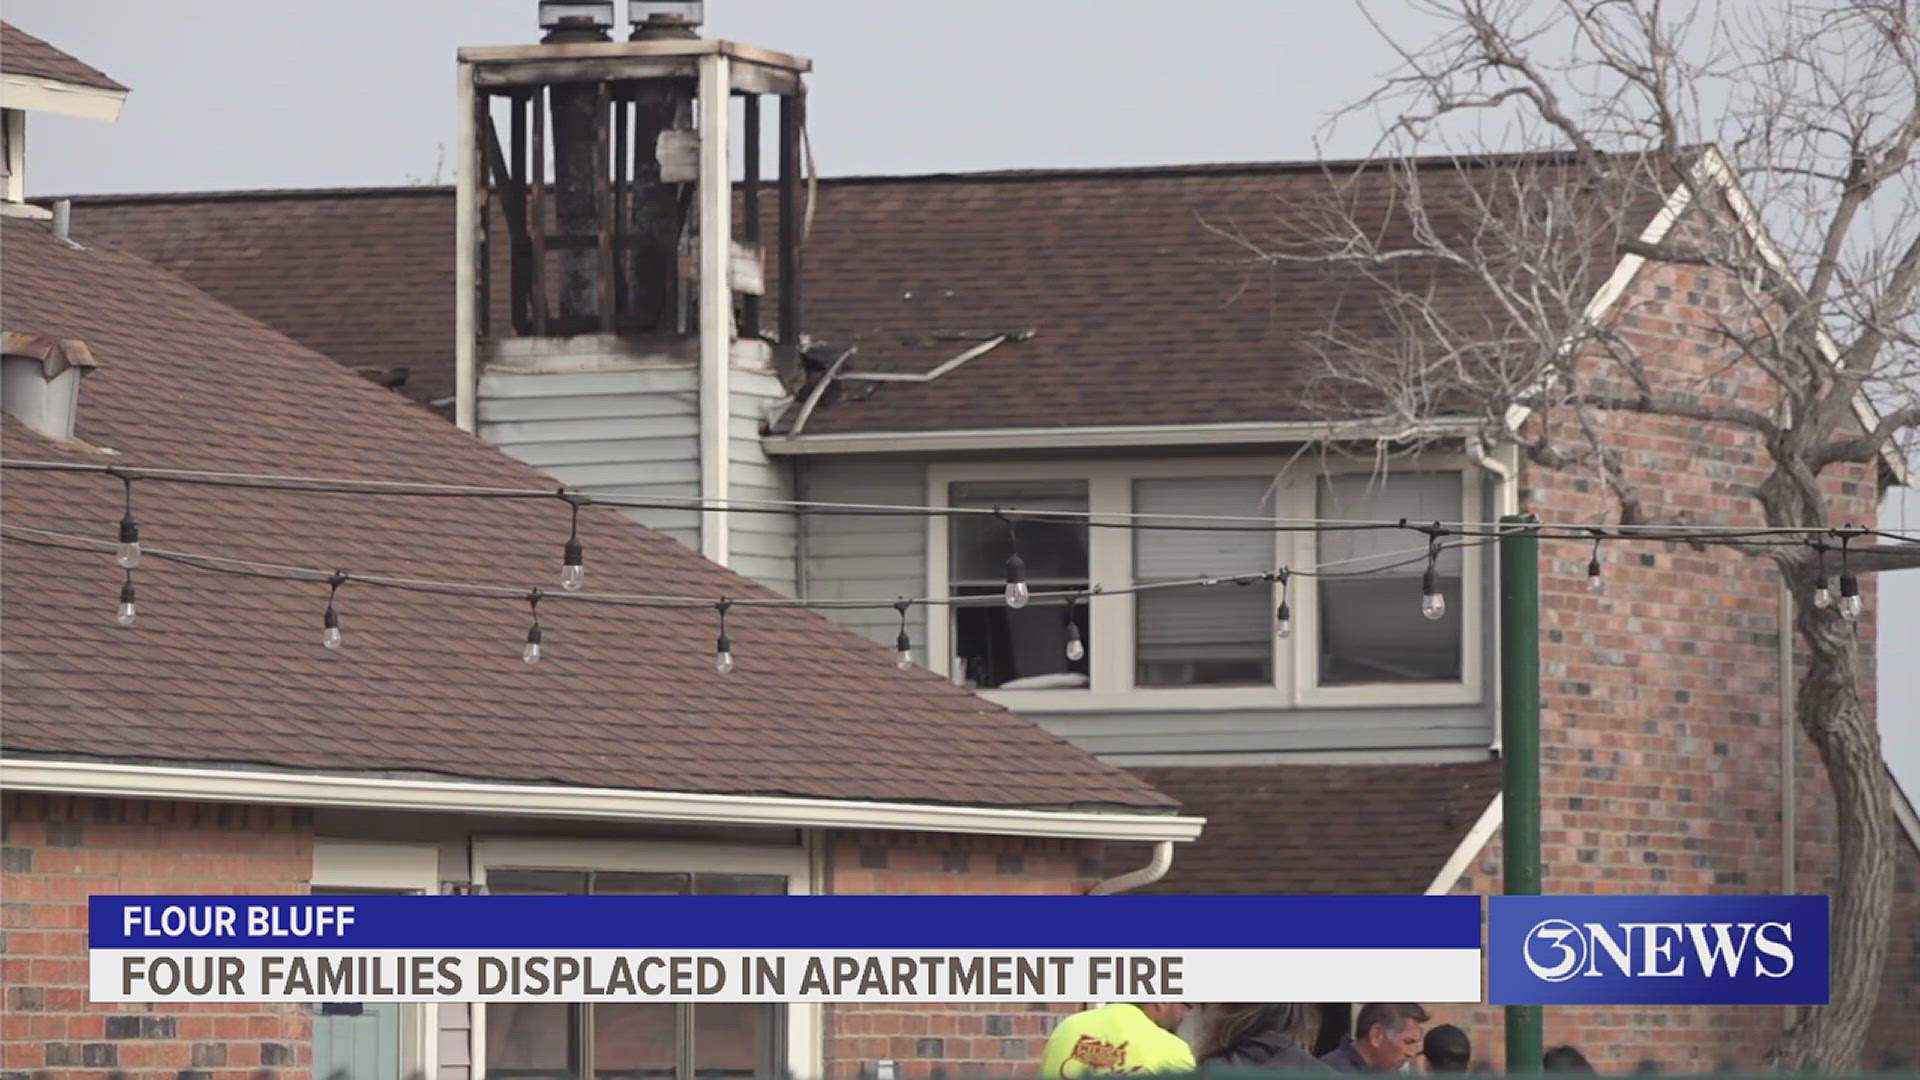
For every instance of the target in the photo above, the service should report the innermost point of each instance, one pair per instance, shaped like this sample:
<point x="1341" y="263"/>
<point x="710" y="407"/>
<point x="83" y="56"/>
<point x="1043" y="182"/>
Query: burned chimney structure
<point x="606" y="252"/>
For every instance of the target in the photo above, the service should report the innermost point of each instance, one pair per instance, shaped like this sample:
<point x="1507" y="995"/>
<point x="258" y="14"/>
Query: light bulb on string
<point x="1017" y="592"/>
<point x="127" y="551"/>
<point x="902" y="645"/>
<point x="1594" y="582"/>
<point x="1822" y="591"/>
<point x="531" y="654"/>
<point x="1283" y="615"/>
<point x="1076" y="649"/>
<point x="573" y="570"/>
<point x="330" y="621"/>
<point x="1851" y="604"/>
<point x="126" y="601"/>
<point x="723" y="648"/>
<point x="1432" y="604"/>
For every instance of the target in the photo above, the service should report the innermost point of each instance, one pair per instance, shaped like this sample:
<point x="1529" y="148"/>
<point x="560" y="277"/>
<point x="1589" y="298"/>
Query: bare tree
<point x="1767" y="149"/>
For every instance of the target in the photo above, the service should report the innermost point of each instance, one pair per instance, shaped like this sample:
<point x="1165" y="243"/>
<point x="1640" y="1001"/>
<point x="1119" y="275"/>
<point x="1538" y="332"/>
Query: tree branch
<point x="1683" y="408"/>
<point x="1866" y="447"/>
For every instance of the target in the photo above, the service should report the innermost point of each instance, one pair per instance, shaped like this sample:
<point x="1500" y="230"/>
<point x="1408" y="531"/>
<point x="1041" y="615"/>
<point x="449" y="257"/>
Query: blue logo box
<point x="1657" y="950"/>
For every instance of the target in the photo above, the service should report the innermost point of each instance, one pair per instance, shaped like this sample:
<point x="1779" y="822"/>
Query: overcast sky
<point x="246" y="94"/>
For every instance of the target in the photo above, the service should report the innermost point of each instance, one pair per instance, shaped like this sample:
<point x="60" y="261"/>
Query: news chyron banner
<point x="1657" y="950"/>
<point x="784" y="948"/>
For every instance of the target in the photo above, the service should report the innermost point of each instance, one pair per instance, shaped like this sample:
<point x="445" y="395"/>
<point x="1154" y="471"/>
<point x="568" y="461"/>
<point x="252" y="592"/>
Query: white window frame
<point x="1110" y="645"/>
<point x="403" y="867"/>
<point x="795" y="863"/>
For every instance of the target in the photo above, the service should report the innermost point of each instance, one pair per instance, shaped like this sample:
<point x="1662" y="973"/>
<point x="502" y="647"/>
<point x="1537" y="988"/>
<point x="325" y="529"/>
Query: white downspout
<point x="716" y="308"/>
<point x="1155" y="869"/>
<point x="1506" y="501"/>
<point x="466" y="182"/>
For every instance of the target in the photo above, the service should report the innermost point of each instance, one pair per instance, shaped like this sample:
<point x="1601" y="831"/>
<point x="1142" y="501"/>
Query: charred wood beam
<point x="515" y="183"/>
<point x="750" y="208"/>
<point x="537" y="212"/>
<point x="603" y="199"/>
<point x="792" y="116"/>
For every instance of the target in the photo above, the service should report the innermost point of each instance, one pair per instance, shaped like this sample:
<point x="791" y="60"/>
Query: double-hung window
<point x="1186" y="616"/>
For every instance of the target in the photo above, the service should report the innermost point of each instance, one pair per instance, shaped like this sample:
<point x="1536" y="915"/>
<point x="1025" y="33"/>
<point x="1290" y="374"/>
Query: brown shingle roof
<point x="1141" y="314"/>
<point x="1317" y="829"/>
<point x="228" y="669"/>
<point x="23" y="54"/>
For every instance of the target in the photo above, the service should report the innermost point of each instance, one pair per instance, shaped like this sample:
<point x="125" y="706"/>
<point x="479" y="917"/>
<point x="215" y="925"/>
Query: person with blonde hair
<point x="1259" y="1036"/>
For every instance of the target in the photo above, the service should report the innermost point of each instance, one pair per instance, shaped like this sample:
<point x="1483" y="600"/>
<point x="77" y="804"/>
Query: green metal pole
<point x="1520" y="747"/>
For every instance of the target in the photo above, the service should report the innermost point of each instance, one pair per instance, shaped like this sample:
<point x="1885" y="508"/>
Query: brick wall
<point x="57" y="851"/>
<point x="959" y="1040"/>
<point x="1661" y="734"/>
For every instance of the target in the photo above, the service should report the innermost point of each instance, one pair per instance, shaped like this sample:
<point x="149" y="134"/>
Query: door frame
<point x="408" y="868"/>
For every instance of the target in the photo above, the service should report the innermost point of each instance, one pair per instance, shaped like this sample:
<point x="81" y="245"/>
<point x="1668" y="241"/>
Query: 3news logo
<point x="1657" y="950"/>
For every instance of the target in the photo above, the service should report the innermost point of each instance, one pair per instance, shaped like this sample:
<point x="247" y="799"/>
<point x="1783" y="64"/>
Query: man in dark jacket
<point x="1386" y="1037"/>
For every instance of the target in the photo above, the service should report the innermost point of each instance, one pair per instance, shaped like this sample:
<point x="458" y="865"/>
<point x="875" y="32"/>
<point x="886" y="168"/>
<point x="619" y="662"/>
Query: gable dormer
<point x="35" y="77"/>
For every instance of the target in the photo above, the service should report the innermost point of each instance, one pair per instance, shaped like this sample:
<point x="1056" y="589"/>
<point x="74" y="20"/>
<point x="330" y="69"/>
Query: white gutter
<point x="1155" y="869"/>
<point x="1469" y="847"/>
<point x="577" y="803"/>
<point x="1074" y="438"/>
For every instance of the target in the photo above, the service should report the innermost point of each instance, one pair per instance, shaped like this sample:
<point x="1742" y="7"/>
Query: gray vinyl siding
<point x="1150" y="736"/>
<point x="622" y="432"/>
<point x="762" y="546"/>
<point x="858" y="555"/>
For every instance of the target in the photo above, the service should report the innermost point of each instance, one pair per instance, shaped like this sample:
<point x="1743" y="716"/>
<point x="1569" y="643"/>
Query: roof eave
<point x="35" y="93"/>
<point x="114" y="780"/>
<point x="1115" y="435"/>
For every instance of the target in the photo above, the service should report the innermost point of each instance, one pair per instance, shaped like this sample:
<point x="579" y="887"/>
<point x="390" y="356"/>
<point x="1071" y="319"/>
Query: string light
<point x="127" y="554"/>
<point x="1106" y="519"/>
<point x="531" y="654"/>
<point x="902" y="645"/>
<point x="573" y="570"/>
<point x="1432" y="604"/>
<point x="723" y="649"/>
<point x="330" y="634"/>
<point x="1594" y="584"/>
<point x="1076" y="649"/>
<point x="1822" y="594"/>
<point x="1850" y="603"/>
<point x="1017" y="592"/>
<point x="126" y="601"/>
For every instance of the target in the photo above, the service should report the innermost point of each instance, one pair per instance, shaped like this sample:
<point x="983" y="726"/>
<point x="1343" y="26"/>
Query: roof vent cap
<point x="666" y="18"/>
<point x="576" y="15"/>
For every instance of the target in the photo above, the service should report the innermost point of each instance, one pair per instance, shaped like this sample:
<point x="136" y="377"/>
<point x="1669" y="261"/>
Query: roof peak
<point x="985" y="176"/>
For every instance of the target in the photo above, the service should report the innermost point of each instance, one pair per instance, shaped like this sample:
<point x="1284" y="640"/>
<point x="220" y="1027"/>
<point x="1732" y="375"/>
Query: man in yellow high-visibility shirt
<point x="1118" y="1039"/>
